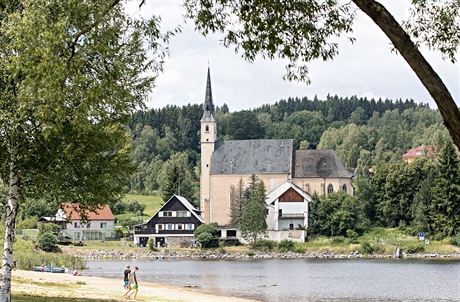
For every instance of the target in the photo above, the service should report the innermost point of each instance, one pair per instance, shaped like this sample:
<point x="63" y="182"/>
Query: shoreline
<point x="65" y="285"/>
<point x="143" y="254"/>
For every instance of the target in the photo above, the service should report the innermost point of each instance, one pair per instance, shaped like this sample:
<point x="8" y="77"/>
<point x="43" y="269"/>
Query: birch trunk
<point x="11" y="208"/>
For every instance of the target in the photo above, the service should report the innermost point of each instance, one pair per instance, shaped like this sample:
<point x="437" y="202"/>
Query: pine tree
<point x="253" y="223"/>
<point x="175" y="177"/>
<point x="445" y="204"/>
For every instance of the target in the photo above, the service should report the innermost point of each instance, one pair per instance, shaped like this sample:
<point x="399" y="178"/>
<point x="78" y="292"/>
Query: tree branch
<point x="406" y="47"/>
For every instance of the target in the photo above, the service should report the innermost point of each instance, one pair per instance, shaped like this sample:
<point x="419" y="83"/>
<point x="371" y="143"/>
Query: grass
<point x="106" y="245"/>
<point x="152" y="202"/>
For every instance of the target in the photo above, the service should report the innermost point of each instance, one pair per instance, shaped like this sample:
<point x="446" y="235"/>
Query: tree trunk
<point x="11" y="208"/>
<point x="429" y="78"/>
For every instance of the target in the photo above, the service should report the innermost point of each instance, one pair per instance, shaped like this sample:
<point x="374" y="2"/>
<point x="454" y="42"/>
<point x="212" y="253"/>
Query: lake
<point x="312" y="280"/>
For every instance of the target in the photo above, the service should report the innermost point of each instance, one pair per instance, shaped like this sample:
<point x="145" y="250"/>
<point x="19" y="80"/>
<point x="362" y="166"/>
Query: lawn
<point x="49" y="299"/>
<point x="152" y="202"/>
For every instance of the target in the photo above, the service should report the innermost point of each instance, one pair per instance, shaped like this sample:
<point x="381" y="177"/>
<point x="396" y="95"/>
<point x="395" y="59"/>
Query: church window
<point x="344" y="188"/>
<point x="207" y="128"/>
<point x="207" y="165"/>
<point x="330" y="189"/>
<point x="307" y="188"/>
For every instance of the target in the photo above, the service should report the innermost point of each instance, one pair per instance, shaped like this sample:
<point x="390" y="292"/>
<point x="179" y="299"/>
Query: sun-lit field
<point x="152" y="202"/>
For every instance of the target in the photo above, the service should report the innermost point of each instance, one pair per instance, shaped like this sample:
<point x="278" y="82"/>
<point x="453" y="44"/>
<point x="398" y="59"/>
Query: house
<point x="172" y="225"/>
<point x="100" y="225"/>
<point x="274" y="161"/>
<point x="287" y="213"/>
<point x="419" y="152"/>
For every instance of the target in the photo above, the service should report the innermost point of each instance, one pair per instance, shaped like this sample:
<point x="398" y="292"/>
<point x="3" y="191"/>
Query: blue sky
<point x="365" y="68"/>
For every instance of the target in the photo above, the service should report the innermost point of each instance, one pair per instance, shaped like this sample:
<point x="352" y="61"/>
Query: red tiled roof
<point x="71" y="211"/>
<point x="420" y="151"/>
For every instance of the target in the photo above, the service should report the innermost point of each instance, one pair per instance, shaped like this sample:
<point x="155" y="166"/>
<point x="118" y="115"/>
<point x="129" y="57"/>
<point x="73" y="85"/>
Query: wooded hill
<point x="383" y="128"/>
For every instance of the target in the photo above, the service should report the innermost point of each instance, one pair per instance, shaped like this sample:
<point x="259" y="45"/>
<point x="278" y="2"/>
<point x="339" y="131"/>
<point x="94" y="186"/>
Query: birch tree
<point x="71" y="72"/>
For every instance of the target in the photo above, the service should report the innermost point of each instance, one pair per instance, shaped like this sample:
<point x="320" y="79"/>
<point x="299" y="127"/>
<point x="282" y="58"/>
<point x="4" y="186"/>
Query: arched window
<point x="307" y="188"/>
<point x="207" y="128"/>
<point x="344" y="188"/>
<point x="330" y="189"/>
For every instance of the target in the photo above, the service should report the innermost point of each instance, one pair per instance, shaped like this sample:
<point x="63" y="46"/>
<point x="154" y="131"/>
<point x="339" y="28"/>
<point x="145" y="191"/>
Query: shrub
<point x="48" y="242"/>
<point x="119" y="233"/>
<point x="264" y="245"/>
<point x="352" y="235"/>
<point x="206" y="235"/>
<point x="250" y="253"/>
<point x="412" y="248"/>
<point x="455" y="240"/>
<point x="48" y="228"/>
<point x="299" y="248"/>
<point x="366" y="248"/>
<point x="151" y="244"/>
<point x="286" y="245"/>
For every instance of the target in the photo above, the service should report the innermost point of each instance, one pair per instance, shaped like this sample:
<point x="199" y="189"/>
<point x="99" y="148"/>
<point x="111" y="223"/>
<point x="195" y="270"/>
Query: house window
<point x="76" y="225"/>
<point x="167" y="214"/>
<point x="280" y="212"/>
<point x="170" y="227"/>
<point x="159" y="227"/>
<point x="179" y="227"/>
<point x="103" y="225"/>
<point x="344" y="188"/>
<point x="182" y="214"/>
<point x="330" y="189"/>
<point x="231" y="233"/>
<point x="189" y="226"/>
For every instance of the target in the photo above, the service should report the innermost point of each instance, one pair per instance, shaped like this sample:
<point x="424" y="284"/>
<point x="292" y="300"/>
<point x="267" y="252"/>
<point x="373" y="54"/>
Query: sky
<point x="366" y="68"/>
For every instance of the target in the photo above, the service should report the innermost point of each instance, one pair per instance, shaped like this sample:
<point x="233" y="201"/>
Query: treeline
<point x="385" y="128"/>
<point x="423" y="195"/>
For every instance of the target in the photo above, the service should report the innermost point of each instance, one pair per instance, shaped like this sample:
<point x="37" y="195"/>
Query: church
<point x="289" y="175"/>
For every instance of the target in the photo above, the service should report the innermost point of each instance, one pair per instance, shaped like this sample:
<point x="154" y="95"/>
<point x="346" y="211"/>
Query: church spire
<point x="208" y="106"/>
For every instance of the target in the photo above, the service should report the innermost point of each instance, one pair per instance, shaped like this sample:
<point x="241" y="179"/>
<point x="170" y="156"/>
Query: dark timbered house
<point x="172" y="225"/>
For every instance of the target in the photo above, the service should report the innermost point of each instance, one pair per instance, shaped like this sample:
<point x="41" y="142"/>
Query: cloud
<point x="366" y="68"/>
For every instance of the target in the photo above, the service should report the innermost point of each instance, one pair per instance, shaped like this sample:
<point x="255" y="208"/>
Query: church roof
<point x="319" y="163"/>
<point x="253" y="156"/>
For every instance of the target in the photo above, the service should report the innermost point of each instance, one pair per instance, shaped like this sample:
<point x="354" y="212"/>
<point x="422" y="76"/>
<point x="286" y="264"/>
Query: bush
<point x="48" y="228"/>
<point x="286" y="246"/>
<point x="412" y="248"/>
<point x="366" y="248"/>
<point x="264" y="245"/>
<point x="48" y="242"/>
<point x="207" y="236"/>
<point x="299" y="248"/>
<point x="455" y="240"/>
<point x="151" y="245"/>
<point x="352" y="235"/>
<point x="119" y="233"/>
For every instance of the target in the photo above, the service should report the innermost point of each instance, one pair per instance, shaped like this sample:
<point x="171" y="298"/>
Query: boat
<point x="49" y="269"/>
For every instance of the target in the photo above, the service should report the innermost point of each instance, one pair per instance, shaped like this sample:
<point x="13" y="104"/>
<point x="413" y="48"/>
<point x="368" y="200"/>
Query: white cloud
<point x="367" y="68"/>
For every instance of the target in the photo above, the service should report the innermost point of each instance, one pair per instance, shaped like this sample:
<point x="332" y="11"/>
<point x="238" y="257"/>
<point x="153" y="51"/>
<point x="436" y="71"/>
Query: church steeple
<point x="208" y="106"/>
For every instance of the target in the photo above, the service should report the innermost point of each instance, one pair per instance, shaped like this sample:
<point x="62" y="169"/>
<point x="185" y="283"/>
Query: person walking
<point x="126" y="283"/>
<point x="134" y="285"/>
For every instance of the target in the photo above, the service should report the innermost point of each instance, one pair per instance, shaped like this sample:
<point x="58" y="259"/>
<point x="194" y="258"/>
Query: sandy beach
<point x="103" y="289"/>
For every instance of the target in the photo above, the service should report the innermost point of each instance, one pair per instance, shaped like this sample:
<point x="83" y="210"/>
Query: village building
<point x="99" y="225"/>
<point x="274" y="161"/>
<point x="172" y="226"/>
<point x="419" y="152"/>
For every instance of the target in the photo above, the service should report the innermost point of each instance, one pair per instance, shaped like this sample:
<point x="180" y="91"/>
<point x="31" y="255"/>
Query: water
<point x="312" y="280"/>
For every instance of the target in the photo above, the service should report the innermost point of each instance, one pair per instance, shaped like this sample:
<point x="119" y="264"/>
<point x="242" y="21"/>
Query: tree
<point x="175" y="177"/>
<point x="244" y="125"/>
<point x="302" y="31"/>
<point x="445" y="207"/>
<point x="237" y="203"/>
<point x="71" y="72"/>
<point x="206" y="235"/>
<point x="253" y="223"/>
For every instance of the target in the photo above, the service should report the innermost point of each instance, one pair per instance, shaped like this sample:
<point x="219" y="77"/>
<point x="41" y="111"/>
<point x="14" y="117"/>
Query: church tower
<point x="208" y="139"/>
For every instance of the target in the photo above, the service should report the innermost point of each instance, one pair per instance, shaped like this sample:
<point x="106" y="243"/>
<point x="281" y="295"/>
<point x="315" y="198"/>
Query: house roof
<point x="252" y="156"/>
<point x="71" y="212"/>
<point x="319" y="163"/>
<point x="281" y="189"/>
<point x="420" y="151"/>
<point x="185" y="202"/>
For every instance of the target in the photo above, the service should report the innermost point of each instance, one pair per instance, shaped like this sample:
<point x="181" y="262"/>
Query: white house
<point x="287" y="212"/>
<point x="100" y="225"/>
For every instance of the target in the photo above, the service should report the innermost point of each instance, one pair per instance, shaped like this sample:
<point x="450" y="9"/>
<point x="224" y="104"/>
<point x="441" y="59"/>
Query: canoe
<point x="49" y="269"/>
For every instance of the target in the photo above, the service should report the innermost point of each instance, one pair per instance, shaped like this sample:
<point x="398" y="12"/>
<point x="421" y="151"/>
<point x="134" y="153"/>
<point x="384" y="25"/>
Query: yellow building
<point x="274" y="161"/>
